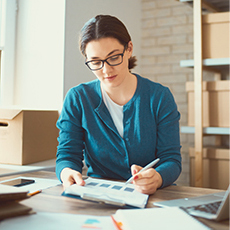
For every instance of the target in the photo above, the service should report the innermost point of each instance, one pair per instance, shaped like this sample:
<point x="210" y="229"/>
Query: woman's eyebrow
<point x="107" y="54"/>
<point x="112" y="52"/>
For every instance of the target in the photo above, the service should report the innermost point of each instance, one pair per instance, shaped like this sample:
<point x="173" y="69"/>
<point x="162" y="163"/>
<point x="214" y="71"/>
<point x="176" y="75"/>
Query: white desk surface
<point x="7" y="169"/>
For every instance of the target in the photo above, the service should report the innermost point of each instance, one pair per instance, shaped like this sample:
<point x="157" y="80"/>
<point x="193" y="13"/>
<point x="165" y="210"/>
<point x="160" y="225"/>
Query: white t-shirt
<point x="116" y="112"/>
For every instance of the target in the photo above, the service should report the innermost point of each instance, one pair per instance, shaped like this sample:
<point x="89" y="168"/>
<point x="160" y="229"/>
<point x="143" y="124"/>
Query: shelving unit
<point x="199" y="64"/>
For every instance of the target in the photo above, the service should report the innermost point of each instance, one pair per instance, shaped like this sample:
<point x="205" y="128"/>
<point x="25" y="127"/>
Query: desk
<point x="50" y="200"/>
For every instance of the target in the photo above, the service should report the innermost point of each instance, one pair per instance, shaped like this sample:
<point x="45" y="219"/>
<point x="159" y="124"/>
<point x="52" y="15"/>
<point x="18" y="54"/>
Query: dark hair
<point x="103" y="26"/>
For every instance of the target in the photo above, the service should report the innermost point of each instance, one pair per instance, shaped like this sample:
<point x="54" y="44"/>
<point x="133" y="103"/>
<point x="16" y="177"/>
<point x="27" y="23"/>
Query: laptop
<point x="213" y="206"/>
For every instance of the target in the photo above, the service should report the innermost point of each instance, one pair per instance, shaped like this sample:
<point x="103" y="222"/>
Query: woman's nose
<point x="106" y="68"/>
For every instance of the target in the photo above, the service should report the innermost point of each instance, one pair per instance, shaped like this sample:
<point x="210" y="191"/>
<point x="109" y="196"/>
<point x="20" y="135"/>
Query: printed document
<point x="110" y="192"/>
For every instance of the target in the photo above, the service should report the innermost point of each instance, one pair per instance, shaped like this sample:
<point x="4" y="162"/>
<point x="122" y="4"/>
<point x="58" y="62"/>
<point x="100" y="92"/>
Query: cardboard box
<point x="27" y="136"/>
<point x="215" y="103"/>
<point x="215" y="35"/>
<point x="215" y="167"/>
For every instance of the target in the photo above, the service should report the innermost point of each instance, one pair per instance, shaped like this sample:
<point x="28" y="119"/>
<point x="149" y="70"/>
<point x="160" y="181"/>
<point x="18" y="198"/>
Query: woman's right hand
<point x="70" y="176"/>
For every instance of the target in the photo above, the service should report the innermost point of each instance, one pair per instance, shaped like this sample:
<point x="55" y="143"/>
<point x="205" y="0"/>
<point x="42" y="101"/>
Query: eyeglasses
<point x="112" y="61"/>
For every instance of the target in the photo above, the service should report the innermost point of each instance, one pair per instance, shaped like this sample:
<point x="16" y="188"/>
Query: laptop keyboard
<point x="209" y="208"/>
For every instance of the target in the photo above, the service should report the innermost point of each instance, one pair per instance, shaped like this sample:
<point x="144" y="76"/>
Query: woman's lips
<point x="110" y="78"/>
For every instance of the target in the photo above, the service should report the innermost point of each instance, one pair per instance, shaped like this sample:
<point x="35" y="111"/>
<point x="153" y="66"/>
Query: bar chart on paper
<point x="107" y="191"/>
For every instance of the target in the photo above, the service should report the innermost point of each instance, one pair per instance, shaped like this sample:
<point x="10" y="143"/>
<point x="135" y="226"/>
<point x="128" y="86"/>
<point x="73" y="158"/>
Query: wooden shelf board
<point x="206" y="130"/>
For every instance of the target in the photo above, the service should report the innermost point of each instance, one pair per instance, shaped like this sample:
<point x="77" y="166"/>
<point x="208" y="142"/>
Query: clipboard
<point x="108" y="192"/>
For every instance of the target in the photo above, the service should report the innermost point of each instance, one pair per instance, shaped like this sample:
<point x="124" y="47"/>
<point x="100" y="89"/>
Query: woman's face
<point x="110" y="76"/>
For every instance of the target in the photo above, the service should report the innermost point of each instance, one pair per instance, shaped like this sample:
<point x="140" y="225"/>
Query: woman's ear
<point x="130" y="49"/>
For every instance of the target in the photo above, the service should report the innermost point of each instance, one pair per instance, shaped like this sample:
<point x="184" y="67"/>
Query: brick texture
<point x="167" y="38"/>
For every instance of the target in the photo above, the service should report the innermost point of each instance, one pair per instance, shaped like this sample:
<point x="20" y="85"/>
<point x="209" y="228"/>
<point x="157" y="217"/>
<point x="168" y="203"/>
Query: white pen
<point x="150" y="165"/>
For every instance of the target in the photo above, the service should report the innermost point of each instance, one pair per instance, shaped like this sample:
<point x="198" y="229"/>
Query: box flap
<point x="216" y="18"/>
<point x="9" y="113"/>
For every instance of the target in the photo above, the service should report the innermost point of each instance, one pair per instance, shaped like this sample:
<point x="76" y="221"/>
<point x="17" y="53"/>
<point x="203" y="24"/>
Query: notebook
<point x="10" y="193"/>
<point x="156" y="218"/>
<point x="12" y="209"/>
<point x="213" y="206"/>
<point x="9" y="205"/>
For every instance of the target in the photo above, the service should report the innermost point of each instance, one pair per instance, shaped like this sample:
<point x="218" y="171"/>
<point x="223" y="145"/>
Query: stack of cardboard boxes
<point x="216" y="95"/>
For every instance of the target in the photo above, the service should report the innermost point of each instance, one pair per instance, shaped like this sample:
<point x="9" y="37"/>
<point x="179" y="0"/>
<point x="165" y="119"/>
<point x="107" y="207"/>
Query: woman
<point x="119" y="122"/>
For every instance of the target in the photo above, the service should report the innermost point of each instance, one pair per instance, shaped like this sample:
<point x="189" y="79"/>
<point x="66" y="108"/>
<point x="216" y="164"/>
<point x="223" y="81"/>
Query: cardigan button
<point x="127" y="139"/>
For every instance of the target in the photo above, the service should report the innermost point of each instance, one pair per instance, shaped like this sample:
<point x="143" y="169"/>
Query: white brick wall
<point x="167" y="38"/>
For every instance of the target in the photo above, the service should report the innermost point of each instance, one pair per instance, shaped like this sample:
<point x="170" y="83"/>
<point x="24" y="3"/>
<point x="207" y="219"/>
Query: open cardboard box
<point x="27" y="136"/>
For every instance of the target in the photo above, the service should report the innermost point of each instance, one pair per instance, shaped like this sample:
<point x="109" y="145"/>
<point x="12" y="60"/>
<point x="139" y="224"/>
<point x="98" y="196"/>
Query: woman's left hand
<point x="146" y="182"/>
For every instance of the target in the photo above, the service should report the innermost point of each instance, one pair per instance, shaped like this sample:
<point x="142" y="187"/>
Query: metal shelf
<point x="220" y="62"/>
<point x="206" y="130"/>
<point x="211" y="5"/>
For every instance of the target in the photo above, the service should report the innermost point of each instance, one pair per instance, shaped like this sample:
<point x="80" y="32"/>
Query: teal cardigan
<point x="151" y="130"/>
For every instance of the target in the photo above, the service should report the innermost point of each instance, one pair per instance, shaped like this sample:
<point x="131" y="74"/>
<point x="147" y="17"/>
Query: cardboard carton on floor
<point x="27" y="136"/>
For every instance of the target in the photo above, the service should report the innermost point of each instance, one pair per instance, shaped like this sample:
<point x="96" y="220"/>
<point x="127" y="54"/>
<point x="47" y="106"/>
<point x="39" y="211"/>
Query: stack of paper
<point x="109" y="192"/>
<point x="134" y="219"/>
<point x="58" y="221"/>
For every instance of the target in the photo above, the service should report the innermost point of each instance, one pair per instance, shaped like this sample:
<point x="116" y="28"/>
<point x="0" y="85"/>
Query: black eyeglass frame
<point x="105" y="60"/>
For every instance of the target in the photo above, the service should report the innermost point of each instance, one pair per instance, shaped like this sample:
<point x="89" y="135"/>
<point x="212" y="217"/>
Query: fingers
<point x="135" y="169"/>
<point x="70" y="176"/>
<point x="78" y="178"/>
<point x="146" y="182"/>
